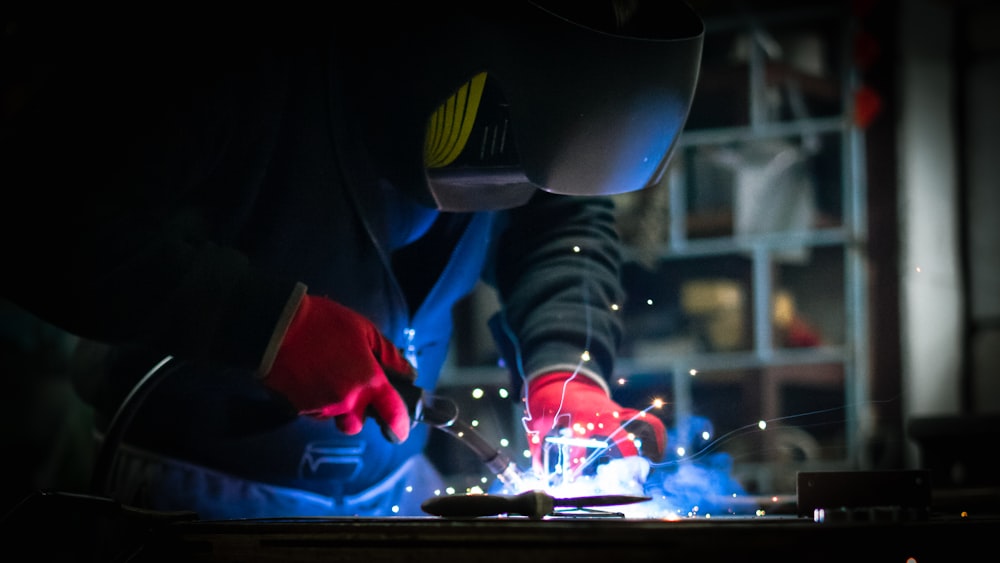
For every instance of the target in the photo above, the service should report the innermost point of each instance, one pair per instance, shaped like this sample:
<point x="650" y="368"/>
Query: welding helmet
<point x="476" y="105"/>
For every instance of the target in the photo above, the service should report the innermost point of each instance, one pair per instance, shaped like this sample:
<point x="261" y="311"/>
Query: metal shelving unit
<point x="759" y="50"/>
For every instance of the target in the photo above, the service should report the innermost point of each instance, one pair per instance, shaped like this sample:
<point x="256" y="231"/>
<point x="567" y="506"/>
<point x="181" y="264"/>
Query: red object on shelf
<point x="867" y="105"/>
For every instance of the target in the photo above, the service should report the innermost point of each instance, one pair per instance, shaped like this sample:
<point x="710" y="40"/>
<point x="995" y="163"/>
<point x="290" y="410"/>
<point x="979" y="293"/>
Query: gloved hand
<point x="560" y="400"/>
<point x="333" y="362"/>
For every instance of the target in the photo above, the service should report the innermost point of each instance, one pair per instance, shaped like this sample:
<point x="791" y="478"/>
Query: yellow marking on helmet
<point x="449" y="127"/>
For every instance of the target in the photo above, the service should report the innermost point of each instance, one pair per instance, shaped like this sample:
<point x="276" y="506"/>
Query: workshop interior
<point x="813" y="312"/>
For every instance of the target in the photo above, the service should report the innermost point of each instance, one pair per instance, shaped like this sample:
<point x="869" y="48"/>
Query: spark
<point x="504" y="442"/>
<point x="917" y="269"/>
<point x="450" y="490"/>
<point x="621" y="381"/>
<point x="705" y="435"/>
<point x="526" y="454"/>
<point x="409" y="488"/>
<point x="477" y="393"/>
<point x="585" y="356"/>
<point x="576" y="248"/>
<point x="762" y="424"/>
<point x="680" y="452"/>
<point x="649" y="302"/>
<point x="474" y="423"/>
<point x="658" y="403"/>
<point x="503" y="393"/>
<point x="614" y="307"/>
<point x="692" y="372"/>
<point x="395" y="509"/>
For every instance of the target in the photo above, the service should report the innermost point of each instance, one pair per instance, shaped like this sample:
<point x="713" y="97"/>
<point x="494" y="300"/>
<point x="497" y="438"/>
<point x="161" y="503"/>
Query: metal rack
<point x="763" y="365"/>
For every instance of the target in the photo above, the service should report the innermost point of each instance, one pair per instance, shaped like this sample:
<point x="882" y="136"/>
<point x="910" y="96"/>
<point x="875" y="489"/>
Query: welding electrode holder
<point x="422" y="407"/>
<point x="534" y="504"/>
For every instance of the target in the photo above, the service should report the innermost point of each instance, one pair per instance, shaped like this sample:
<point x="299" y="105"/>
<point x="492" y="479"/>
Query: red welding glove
<point x="578" y="408"/>
<point x="333" y="362"/>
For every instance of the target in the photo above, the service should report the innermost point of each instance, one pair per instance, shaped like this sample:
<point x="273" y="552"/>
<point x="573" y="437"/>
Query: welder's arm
<point x="558" y="275"/>
<point x="578" y="406"/>
<point x="332" y="363"/>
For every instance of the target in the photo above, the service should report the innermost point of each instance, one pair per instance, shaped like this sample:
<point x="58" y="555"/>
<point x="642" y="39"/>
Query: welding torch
<point x="442" y="413"/>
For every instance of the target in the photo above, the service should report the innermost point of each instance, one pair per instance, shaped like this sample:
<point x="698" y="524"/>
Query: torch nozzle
<point x="511" y="476"/>
<point x="442" y="413"/>
<point x="496" y="460"/>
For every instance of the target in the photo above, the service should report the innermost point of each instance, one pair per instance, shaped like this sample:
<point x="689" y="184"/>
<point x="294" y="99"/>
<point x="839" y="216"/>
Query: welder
<point x="286" y="210"/>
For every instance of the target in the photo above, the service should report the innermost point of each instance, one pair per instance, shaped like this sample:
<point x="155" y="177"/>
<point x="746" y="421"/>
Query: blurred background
<point x="815" y="281"/>
<point x="823" y="253"/>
